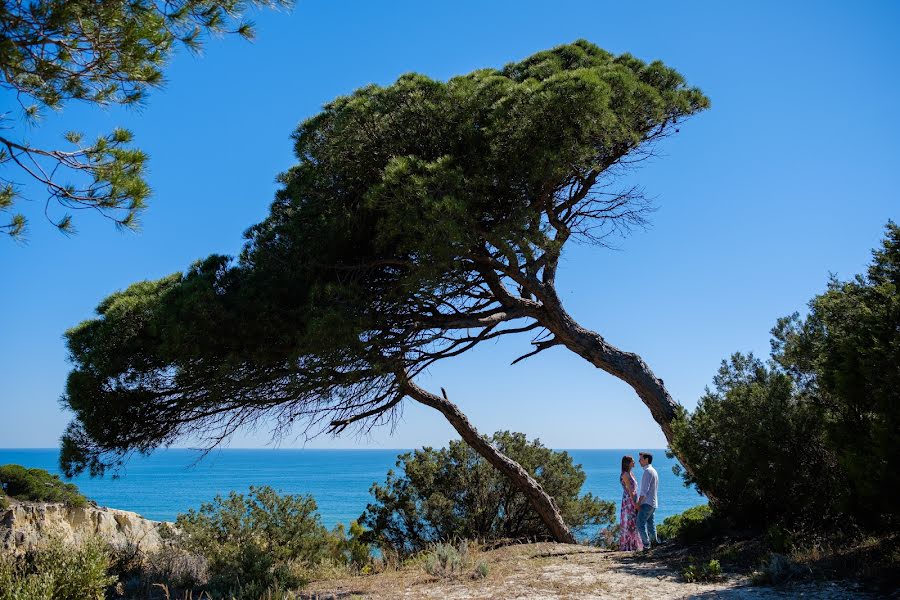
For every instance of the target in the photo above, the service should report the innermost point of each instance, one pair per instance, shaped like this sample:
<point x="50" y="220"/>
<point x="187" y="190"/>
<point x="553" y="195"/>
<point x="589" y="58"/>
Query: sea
<point x="172" y="481"/>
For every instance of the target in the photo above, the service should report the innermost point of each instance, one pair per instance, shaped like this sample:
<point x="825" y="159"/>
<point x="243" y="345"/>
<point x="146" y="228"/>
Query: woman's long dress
<point x="628" y="534"/>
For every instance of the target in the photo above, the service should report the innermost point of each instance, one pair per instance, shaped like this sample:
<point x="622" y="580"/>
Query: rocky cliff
<point x="24" y="524"/>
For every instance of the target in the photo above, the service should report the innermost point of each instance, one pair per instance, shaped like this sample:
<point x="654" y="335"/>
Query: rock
<point x="24" y="525"/>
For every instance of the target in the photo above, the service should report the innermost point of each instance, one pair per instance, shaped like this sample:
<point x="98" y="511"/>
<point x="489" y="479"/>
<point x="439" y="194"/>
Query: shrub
<point x="57" y="571"/>
<point x="702" y="572"/>
<point x="775" y="569"/>
<point x="844" y="357"/>
<point x="690" y="526"/>
<point x="4" y="502"/>
<point x="805" y="441"/>
<point x="445" y="560"/>
<point x="257" y="541"/>
<point x="481" y="570"/>
<point x="453" y="493"/>
<point x="349" y="547"/>
<point x="760" y="449"/>
<point x="37" y="485"/>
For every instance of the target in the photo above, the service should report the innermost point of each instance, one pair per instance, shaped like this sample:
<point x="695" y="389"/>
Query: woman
<point x="628" y="534"/>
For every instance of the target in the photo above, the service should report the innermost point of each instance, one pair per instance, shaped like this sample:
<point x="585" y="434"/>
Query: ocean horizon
<point x="172" y="481"/>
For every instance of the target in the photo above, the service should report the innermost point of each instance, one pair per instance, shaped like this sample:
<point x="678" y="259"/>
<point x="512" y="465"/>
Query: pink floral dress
<point x="628" y="534"/>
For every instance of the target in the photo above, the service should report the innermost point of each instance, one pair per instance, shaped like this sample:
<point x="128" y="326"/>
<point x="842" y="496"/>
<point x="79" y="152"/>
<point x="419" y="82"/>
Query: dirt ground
<point x="553" y="571"/>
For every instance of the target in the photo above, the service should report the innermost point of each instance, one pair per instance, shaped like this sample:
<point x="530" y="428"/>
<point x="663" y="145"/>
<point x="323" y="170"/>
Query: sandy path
<point x="552" y="571"/>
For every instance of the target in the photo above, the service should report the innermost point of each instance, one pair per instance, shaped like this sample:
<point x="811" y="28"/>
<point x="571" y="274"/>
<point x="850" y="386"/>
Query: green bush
<point x="57" y="571"/>
<point x="482" y="570"/>
<point x="4" y="501"/>
<point x="349" y="547"/>
<point x="844" y="357"/>
<point x="760" y="450"/>
<point x="453" y="493"/>
<point x="690" y="526"/>
<point x="262" y="540"/>
<point x="445" y="560"/>
<point x="702" y="572"/>
<point x="37" y="485"/>
<point x="805" y="441"/>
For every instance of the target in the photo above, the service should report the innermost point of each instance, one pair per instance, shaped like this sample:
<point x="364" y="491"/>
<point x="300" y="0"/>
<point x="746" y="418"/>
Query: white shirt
<point x="649" y="483"/>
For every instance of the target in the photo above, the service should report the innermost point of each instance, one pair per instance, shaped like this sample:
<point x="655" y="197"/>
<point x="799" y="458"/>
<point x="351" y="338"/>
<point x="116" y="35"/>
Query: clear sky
<point x="791" y="175"/>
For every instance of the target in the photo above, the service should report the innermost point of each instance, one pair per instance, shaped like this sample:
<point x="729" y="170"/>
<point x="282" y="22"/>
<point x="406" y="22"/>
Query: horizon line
<point x="301" y="449"/>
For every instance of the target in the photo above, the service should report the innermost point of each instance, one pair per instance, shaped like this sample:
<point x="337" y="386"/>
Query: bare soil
<point x="548" y="571"/>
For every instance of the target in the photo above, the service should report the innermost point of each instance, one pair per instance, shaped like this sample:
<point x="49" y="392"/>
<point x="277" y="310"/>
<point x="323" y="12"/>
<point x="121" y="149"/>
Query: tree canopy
<point x="452" y="493"/>
<point x="421" y="219"/>
<point x="53" y="52"/>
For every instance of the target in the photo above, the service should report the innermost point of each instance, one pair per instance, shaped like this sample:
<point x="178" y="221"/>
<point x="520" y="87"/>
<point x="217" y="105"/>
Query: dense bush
<point x="845" y="359"/>
<point x="694" y="524"/>
<point x="37" y="485"/>
<point x="805" y="440"/>
<point x="453" y="493"/>
<point x="759" y="449"/>
<point x="256" y="541"/>
<point x="56" y="571"/>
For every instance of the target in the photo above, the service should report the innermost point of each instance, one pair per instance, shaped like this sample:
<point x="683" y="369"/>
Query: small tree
<point x="453" y="493"/>
<point x="53" y="52"/>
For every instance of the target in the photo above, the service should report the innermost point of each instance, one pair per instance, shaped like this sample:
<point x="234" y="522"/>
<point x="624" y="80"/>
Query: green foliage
<point x="407" y="205"/>
<point x="261" y="540"/>
<point x="57" y="51"/>
<point x="37" y="485"/>
<point x="482" y="570"/>
<point x="56" y="571"/>
<point x="4" y="501"/>
<point x="702" y="572"/>
<point x="759" y="450"/>
<point x="845" y="359"/>
<point x="453" y="493"/>
<point x="444" y="560"/>
<point x="692" y="525"/>
<point x="807" y="439"/>
<point x="350" y="547"/>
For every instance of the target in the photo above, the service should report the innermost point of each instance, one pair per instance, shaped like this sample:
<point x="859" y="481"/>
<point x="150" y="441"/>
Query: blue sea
<point x="171" y="481"/>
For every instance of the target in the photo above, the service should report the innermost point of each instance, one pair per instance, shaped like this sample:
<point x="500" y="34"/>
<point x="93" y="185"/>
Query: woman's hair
<point x="627" y="461"/>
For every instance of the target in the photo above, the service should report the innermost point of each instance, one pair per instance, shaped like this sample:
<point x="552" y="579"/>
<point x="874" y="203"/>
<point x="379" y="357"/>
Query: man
<point x="647" y="502"/>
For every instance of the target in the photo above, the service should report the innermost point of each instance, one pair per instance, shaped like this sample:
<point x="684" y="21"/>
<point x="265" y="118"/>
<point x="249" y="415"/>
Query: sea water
<point x="169" y="482"/>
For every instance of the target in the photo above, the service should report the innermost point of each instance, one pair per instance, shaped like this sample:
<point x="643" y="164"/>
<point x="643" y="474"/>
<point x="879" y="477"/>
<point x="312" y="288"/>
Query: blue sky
<point x="791" y="175"/>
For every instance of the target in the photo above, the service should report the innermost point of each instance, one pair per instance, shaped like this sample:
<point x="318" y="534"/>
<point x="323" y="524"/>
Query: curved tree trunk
<point x="627" y="366"/>
<point x="542" y="503"/>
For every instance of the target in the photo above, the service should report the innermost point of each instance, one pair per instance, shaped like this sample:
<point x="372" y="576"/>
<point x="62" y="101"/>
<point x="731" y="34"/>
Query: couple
<point x="637" y="530"/>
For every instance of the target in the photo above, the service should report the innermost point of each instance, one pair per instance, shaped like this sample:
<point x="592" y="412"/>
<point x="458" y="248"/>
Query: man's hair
<point x="648" y="456"/>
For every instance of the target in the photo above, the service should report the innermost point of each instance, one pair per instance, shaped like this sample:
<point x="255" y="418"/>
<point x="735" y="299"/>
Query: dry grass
<point x="552" y="571"/>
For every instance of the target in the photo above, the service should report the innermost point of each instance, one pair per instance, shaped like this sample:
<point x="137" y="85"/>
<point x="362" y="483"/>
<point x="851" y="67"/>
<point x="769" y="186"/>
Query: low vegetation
<point x="702" y="572"/>
<point x="689" y="526"/>
<point x="57" y="571"/>
<point x="37" y="485"/>
<point x="264" y="540"/>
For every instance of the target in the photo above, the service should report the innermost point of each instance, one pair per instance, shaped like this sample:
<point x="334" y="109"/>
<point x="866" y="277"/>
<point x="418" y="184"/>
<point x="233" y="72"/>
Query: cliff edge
<point x="23" y="525"/>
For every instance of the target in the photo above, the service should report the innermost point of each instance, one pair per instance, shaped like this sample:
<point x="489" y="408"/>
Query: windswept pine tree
<point x="422" y="219"/>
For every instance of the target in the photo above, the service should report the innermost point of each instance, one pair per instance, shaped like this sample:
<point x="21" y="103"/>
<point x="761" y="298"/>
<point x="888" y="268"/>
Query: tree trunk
<point x="542" y="503"/>
<point x="627" y="366"/>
